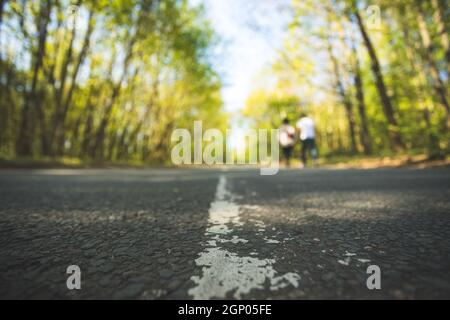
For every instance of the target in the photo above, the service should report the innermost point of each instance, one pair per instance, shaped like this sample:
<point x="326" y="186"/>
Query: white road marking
<point x="226" y="272"/>
<point x="271" y="240"/>
<point x="345" y="262"/>
<point x="348" y="259"/>
<point x="364" y="260"/>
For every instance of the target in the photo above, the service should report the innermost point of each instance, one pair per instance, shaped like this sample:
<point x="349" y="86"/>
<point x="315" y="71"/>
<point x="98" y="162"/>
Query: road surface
<point x="233" y="234"/>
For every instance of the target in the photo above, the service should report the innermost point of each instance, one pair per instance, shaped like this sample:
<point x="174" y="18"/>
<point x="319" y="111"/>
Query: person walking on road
<point x="287" y="140"/>
<point x="307" y="130"/>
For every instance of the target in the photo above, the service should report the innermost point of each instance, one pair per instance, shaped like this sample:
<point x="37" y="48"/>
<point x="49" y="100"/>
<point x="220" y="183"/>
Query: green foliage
<point x="107" y="82"/>
<point x="325" y="50"/>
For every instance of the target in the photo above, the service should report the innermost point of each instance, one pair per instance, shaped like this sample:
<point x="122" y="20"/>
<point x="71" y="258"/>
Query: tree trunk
<point x="346" y="101"/>
<point x="434" y="150"/>
<point x="65" y="105"/>
<point x="26" y="130"/>
<point x="88" y="128"/>
<point x="443" y="34"/>
<point x="51" y="64"/>
<point x="2" y="8"/>
<point x="59" y="92"/>
<point x="112" y="144"/>
<point x="394" y="135"/>
<point x="4" y="89"/>
<point x="364" y="132"/>
<point x="145" y="148"/>
<point x="122" y="145"/>
<point x="438" y="84"/>
<point x="11" y="105"/>
<point x="76" y="135"/>
<point x="150" y="106"/>
<point x="100" y="136"/>
<point x="422" y="94"/>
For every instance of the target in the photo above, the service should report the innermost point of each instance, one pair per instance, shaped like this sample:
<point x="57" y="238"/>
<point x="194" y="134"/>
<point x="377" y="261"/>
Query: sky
<point x="251" y="31"/>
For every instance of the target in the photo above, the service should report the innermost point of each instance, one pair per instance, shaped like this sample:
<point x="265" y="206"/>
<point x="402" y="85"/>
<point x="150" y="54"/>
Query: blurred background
<point x="85" y="82"/>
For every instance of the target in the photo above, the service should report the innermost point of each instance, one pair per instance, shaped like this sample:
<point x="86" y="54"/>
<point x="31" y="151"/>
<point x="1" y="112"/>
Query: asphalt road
<point x="205" y="234"/>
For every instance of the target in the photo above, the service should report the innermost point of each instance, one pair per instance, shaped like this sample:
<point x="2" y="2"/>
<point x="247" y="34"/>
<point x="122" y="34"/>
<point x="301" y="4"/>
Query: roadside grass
<point x="385" y="160"/>
<point x="415" y="160"/>
<point x="68" y="163"/>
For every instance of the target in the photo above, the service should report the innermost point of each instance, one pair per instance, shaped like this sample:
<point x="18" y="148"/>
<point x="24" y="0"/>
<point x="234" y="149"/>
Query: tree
<point x="94" y="89"/>
<point x="396" y="140"/>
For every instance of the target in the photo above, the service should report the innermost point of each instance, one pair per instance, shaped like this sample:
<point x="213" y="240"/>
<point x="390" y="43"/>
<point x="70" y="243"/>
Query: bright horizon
<point x="245" y="51"/>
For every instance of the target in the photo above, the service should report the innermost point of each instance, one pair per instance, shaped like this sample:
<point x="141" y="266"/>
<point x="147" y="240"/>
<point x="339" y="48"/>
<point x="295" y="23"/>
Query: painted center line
<point x="225" y="272"/>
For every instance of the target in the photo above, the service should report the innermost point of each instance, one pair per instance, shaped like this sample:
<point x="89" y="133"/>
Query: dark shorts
<point x="308" y="146"/>
<point x="287" y="151"/>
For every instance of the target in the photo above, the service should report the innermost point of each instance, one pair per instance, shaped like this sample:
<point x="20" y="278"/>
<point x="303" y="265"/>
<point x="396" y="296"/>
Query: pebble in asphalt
<point x="144" y="234"/>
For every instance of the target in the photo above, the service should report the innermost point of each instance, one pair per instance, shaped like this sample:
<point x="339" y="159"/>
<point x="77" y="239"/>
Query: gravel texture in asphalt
<point x="204" y="234"/>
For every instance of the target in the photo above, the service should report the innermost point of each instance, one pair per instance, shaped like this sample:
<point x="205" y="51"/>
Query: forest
<point x="373" y="74"/>
<point x="103" y="80"/>
<point x="109" y="81"/>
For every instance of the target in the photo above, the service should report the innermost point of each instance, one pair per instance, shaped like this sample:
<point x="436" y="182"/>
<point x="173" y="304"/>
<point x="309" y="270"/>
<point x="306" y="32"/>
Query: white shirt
<point x="287" y="135"/>
<point x="307" y="128"/>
